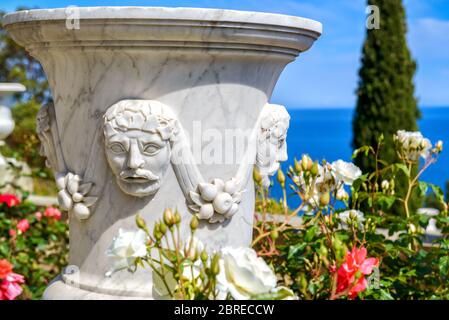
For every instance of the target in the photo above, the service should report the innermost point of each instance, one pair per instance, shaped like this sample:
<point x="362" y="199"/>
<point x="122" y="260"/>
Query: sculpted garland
<point x="74" y="195"/>
<point x="143" y="137"/>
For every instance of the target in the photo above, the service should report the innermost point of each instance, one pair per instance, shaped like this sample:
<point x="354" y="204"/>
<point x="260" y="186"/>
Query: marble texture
<point x="214" y="69"/>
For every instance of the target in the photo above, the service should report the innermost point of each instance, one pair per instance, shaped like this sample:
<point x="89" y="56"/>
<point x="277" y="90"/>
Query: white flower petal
<point x="243" y="274"/>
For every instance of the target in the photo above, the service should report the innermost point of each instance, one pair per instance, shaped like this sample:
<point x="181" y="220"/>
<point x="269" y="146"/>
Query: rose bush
<point x="315" y="258"/>
<point x="34" y="244"/>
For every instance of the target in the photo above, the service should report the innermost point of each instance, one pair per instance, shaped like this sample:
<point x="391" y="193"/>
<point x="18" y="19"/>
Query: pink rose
<point x="12" y="233"/>
<point x="351" y="274"/>
<point x="54" y="213"/>
<point x="23" y="225"/>
<point x="38" y="216"/>
<point x="10" y="286"/>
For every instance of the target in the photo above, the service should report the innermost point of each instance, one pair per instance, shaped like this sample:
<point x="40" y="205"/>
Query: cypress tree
<point x="385" y="94"/>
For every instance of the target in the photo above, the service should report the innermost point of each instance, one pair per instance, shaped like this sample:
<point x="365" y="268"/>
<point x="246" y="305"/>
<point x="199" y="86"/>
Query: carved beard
<point x="139" y="182"/>
<point x="140" y="190"/>
<point x="138" y="174"/>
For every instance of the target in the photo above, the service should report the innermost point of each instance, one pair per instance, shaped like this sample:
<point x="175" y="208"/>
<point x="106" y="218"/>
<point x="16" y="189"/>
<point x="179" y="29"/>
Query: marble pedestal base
<point x="59" y="290"/>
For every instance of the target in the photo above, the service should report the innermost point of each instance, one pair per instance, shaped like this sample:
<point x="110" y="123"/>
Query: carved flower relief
<point x="216" y="201"/>
<point x="73" y="195"/>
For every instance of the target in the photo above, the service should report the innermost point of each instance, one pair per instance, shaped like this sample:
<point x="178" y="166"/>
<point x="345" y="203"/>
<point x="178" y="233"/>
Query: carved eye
<point x="281" y="142"/>
<point x="117" y="147"/>
<point x="151" y="148"/>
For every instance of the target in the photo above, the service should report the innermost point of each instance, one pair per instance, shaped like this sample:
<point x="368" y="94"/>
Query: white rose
<point x="243" y="274"/>
<point x="316" y="187"/>
<point x="342" y="194"/>
<point x="160" y="291"/>
<point x="126" y="247"/>
<point x="347" y="215"/>
<point x="345" y="171"/>
<point x="413" y="144"/>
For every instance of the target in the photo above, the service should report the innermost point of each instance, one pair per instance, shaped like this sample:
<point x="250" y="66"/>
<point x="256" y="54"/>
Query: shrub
<point x="385" y="94"/>
<point x="34" y="240"/>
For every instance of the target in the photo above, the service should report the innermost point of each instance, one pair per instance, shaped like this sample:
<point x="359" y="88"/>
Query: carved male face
<point x="272" y="145"/>
<point x="137" y="147"/>
<point x="277" y="145"/>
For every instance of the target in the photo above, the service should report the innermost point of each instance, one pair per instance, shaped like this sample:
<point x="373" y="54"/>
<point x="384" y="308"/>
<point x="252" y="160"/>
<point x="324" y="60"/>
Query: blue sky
<point x="326" y="76"/>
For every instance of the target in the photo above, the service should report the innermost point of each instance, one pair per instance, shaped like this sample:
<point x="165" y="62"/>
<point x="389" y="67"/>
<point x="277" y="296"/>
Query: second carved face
<point x="138" y="145"/>
<point x="272" y="145"/>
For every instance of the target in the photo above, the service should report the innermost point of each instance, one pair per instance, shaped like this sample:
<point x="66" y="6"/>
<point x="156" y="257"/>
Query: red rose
<point x="5" y="268"/>
<point x="10" y="199"/>
<point x="23" y="225"/>
<point x="54" y="213"/>
<point x="351" y="274"/>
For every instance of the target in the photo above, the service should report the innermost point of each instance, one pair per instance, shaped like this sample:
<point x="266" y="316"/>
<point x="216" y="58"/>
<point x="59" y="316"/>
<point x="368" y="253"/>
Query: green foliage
<point x="39" y="253"/>
<point x="447" y="189"/>
<point x="16" y="65"/>
<point x="306" y="257"/>
<point x="408" y="269"/>
<point x="385" y="94"/>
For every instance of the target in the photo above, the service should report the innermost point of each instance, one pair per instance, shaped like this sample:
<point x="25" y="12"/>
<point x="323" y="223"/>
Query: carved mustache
<point x="139" y="173"/>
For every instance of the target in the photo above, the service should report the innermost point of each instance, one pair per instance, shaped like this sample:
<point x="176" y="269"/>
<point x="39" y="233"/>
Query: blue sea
<point x="327" y="134"/>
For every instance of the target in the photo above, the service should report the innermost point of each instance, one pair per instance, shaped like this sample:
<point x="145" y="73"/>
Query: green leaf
<point x="444" y="265"/>
<point x="402" y="167"/>
<point x="280" y="294"/>
<point x="437" y="191"/>
<point x="386" y="202"/>
<point x="293" y="250"/>
<point x="384" y="295"/>
<point x="422" y="187"/>
<point x="358" y="183"/>
<point x="310" y="233"/>
<point x="365" y="149"/>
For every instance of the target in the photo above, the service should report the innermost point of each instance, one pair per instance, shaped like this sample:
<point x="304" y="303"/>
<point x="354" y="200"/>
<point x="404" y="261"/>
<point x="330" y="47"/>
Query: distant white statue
<point x="6" y="124"/>
<point x="14" y="175"/>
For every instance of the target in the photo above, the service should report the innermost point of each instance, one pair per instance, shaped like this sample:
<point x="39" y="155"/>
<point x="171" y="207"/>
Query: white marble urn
<point x="148" y="104"/>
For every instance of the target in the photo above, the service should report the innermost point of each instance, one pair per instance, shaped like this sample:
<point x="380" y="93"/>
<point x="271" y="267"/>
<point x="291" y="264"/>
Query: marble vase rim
<point x="169" y="13"/>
